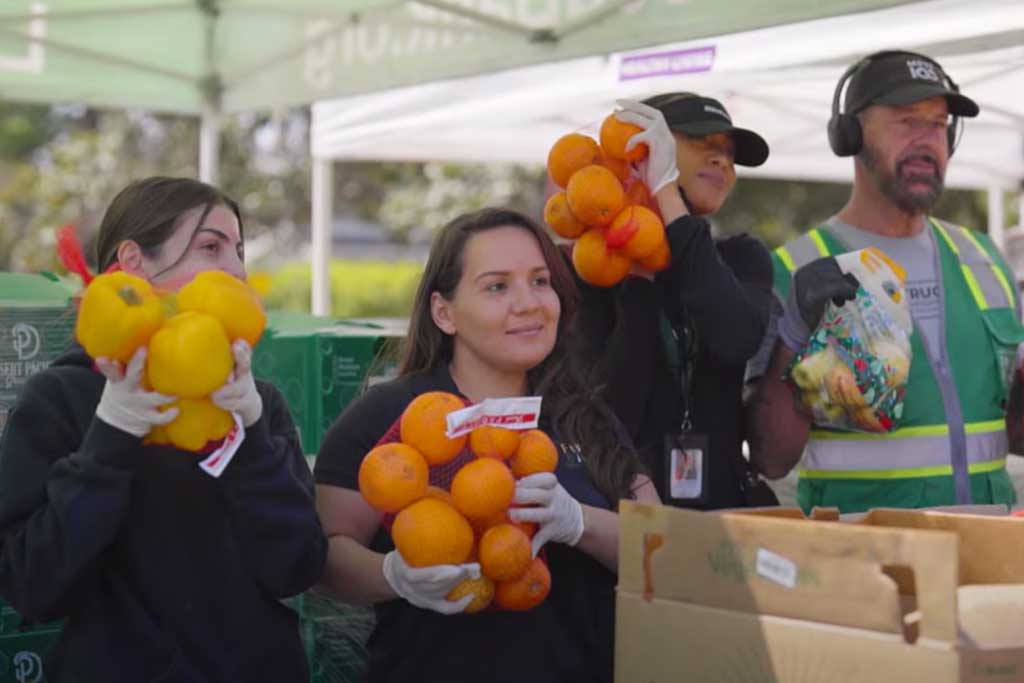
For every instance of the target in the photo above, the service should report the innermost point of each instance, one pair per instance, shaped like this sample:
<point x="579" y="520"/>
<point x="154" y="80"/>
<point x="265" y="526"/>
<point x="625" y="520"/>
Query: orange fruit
<point x="423" y="426"/>
<point x="438" y="493"/>
<point x="526" y="592"/>
<point x="480" y="526"/>
<point x="504" y="552"/>
<point x="483" y="488"/>
<point x="595" y="195"/>
<point x="493" y="442"/>
<point x="559" y="216"/>
<point x="569" y="154"/>
<point x="659" y="260"/>
<point x="536" y="453"/>
<point x="528" y="528"/>
<point x="637" y="192"/>
<point x="614" y="136"/>
<point x="430" y="532"/>
<point x="393" y="476"/>
<point x="595" y="263"/>
<point x="637" y="231"/>
<point x="482" y="589"/>
<point x="621" y="168"/>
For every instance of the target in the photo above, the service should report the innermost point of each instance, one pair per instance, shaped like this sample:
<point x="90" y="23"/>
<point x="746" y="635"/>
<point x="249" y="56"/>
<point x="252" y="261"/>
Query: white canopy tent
<point x="778" y="81"/>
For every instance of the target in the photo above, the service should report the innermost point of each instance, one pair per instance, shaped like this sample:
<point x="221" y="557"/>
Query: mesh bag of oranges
<point x="443" y="477"/>
<point x="605" y="206"/>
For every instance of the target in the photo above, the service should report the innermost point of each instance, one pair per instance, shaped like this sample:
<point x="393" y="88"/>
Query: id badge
<point x="686" y="469"/>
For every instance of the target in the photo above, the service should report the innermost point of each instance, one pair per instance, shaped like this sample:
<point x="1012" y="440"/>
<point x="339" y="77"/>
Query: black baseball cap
<point x="697" y="116"/>
<point x="897" y="78"/>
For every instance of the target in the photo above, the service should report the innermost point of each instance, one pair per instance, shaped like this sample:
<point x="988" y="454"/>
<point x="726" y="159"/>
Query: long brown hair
<point x="574" y="411"/>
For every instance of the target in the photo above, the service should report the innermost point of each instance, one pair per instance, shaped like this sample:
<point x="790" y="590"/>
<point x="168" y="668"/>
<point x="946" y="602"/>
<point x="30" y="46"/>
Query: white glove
<point x="426" y="586"/>
<point x="239" y="394"/>
<point x="558" y="514"/>
<point x="124" y="404"/>
<point x="659" y="168"/>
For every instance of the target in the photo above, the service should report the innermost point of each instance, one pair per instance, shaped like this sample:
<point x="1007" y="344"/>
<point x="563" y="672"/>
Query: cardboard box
<point x="767" y="597"/>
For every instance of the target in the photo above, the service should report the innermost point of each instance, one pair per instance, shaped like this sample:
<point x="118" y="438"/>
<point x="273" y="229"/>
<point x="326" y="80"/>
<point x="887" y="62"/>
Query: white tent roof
<point x="778" y="81"/>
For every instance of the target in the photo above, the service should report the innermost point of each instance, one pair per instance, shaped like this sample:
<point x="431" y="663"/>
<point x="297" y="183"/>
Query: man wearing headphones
<point x="900" y="123"/>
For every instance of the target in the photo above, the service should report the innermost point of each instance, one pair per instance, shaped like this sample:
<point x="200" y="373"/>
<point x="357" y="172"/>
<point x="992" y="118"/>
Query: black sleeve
<point x="356" y="431"/>
<point x="62" y="499"/>
<point x="729" y="308"/>
<point x="620" y="330"/>
<point x="269" y="490"/>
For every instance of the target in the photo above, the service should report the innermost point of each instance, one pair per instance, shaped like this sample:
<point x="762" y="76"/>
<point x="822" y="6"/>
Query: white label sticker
<point x="217" y="461"/>
<point x="777" y="568"/>
<point x="522" y="412"/>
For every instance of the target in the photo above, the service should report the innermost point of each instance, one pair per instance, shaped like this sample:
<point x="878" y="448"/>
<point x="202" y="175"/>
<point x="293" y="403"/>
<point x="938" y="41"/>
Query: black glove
<point x="819" y="282"/>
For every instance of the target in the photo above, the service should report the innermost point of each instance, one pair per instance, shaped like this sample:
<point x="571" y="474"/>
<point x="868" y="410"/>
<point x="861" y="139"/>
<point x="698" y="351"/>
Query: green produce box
<point x="334" y="635"/>
<point x="37" y="322"/>
<point x="23" y="647"/>
<point x="321" y="364"/>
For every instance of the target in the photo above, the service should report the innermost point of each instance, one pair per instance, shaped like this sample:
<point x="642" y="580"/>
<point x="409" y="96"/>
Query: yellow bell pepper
<point x="157" y="436"/>
<point x="199" y="421"/>
<point x="231" y="301"/>
<point x="189" y="357"/>
<point x="118" y="314"/>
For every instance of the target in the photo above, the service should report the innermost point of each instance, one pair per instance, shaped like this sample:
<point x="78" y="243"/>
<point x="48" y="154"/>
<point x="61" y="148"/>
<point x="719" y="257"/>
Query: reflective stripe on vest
<point x="828" y="454"/>
<point x="912" y="450"/>
<point x="803" y="250"/>
<point x="985" y="279"/>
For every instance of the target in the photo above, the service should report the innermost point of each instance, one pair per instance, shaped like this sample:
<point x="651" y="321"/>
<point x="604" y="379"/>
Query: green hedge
<point x="358" y="288"/>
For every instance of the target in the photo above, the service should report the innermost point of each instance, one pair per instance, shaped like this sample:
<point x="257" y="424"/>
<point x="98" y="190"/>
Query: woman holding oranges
<point x="670" y="348"/>
<point x="490" y="320"/>
<point x="159" y="570"/>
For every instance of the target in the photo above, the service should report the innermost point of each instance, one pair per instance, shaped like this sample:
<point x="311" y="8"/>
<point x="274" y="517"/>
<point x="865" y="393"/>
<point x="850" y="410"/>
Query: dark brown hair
<point x="576" y="413"/>
<point x="147" y="212"/>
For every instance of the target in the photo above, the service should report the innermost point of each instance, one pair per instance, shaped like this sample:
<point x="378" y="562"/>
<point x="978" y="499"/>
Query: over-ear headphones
<point x="845" y="135"/>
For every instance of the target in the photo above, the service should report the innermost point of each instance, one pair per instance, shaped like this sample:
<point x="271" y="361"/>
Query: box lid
<point x="819" y="571"/>
<point x="34" y="289"/>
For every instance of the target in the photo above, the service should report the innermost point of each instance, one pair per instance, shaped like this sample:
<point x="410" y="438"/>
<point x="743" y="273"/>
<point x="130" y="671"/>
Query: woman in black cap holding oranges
<point x="670" y="349"/>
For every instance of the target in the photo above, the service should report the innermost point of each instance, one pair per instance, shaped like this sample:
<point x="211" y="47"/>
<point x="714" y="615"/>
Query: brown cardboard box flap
<point x="992" y="616"/>
<point x="991" y="548"/>
<point x="820" y="571"/>
<point x="662" y="641"/>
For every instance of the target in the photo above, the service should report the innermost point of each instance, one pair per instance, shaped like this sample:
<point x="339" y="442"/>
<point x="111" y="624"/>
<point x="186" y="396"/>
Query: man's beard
<point x="896" y="188"/>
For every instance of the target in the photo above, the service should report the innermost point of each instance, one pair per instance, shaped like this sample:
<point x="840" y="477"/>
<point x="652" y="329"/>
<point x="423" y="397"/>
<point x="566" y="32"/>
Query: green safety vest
<point x="953" y="423"/>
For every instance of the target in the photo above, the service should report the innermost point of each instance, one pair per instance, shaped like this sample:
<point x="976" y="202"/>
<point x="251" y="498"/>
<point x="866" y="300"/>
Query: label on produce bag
<point x="217" y="461"/>
<point x="521" y="412"/>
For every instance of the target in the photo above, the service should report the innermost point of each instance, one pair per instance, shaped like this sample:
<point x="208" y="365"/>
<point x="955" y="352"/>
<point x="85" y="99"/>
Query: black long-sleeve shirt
<point x="160" y="571"/>
<point x="723" y="290"/>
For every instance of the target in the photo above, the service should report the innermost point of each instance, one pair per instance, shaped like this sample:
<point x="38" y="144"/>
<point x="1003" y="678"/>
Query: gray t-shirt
<point x="924" y="293"/>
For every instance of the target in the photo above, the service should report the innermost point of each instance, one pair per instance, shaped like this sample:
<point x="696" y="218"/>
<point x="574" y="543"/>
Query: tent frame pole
<point x="212" y="89"/>
<point x="996" y="216"/>
<point x="322" y="219"/>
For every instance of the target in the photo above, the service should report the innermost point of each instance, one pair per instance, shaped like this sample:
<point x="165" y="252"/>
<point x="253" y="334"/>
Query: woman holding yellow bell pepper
<point x="159" y="569"/>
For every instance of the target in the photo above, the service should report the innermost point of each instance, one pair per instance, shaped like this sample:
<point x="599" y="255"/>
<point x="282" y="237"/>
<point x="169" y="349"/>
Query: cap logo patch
<point x="923" y="70"/>
<point x="716" y="110"/>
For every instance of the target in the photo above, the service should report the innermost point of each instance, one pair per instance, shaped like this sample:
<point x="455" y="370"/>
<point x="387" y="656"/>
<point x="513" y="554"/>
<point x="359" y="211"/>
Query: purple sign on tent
<point x="651" y="64"/>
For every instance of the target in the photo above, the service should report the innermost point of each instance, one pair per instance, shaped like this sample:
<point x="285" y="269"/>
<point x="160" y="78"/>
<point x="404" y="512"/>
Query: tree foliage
<point x="62" y="165"/>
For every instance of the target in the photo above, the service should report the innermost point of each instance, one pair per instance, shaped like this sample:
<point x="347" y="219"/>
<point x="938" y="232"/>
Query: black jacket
<point x="721" y="290"/>
<point x="160" y="571"/>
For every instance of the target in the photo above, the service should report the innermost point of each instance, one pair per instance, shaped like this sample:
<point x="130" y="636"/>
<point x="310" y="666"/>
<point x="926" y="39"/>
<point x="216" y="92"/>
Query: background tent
<point x="778" y="80"/>
<point x="205" y="57"/>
